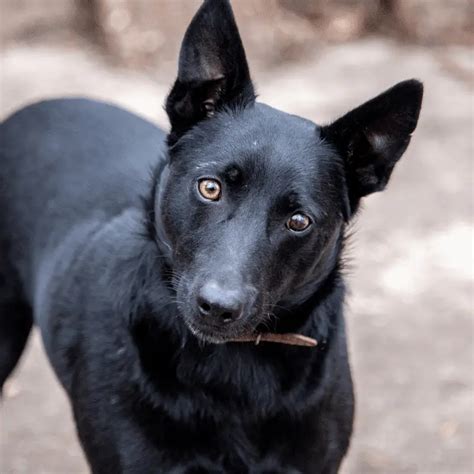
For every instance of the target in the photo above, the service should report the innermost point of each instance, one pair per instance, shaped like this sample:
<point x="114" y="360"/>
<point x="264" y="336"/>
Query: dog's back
<point x="66" y="167"/>
<point x="64" y="162"/>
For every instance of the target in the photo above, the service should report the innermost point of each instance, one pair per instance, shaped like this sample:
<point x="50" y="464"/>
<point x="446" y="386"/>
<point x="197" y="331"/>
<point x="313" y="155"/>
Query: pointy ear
<point x="374" y="136"/>
<point x="212" y="72"/>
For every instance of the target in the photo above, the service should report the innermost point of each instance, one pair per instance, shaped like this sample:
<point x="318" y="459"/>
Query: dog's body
<point x="138" y="286"/>
<point x="140" y="398"/>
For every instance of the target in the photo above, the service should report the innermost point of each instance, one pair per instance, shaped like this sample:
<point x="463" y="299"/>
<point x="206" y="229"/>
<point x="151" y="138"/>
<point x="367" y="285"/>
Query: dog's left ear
<point x="374" y="136"/>
<point x="212" y="71"/>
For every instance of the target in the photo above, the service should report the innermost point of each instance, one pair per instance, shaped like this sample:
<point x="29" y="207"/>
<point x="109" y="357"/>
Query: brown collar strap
<point x="287" y="338"/>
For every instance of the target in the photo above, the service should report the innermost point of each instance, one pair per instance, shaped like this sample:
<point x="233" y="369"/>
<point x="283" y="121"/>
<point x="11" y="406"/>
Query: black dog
<point x="145" y="292"/>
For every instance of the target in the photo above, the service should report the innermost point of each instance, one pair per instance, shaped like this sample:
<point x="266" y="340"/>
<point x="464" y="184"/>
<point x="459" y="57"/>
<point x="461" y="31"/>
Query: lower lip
<point x="210" y="331"/>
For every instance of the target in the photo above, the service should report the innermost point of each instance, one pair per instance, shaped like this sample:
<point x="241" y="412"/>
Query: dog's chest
<point x="234" y="446"/>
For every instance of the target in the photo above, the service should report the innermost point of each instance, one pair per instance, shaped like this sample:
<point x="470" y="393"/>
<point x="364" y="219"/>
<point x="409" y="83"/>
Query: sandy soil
<point x="410" y="310"/>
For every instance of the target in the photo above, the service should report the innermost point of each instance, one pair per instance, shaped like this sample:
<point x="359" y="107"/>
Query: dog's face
<point x="255" y="201"/>
<point x="254" y="210"/>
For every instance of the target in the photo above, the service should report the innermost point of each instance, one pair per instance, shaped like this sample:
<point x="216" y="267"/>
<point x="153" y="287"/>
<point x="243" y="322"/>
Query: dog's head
<point x="254" y="201"/>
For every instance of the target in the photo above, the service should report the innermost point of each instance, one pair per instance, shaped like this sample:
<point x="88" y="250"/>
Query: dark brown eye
<point x="210" y="189"/>
<point x="298" y="222"/>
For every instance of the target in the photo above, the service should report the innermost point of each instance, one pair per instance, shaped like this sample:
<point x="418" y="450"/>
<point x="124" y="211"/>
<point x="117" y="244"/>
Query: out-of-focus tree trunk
<point x="89" y="20"/>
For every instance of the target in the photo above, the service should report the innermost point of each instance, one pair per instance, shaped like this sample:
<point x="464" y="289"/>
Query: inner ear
<point x="191" y="102"/>
<point x="213" y="70"/>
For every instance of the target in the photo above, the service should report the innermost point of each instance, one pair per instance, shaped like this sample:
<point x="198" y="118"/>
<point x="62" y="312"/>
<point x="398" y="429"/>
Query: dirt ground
<point x="410" y="308"/>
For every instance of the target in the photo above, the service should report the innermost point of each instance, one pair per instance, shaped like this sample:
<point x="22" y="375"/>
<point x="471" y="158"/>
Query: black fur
<point x="112" y="266"/>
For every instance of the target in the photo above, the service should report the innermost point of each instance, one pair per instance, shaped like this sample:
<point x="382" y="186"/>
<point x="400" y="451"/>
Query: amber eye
<point x="298" y="222"/>
<point x="210" y="189"/>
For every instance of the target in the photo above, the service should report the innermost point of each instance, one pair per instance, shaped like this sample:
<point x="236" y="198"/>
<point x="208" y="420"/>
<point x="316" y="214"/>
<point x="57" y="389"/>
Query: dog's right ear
<point x="212" y="72"/>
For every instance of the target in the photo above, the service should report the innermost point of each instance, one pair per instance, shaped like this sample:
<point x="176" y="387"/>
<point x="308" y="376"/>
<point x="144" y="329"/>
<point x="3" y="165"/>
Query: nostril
<point x="204" y="307"/>
<point x="227" y="317"/>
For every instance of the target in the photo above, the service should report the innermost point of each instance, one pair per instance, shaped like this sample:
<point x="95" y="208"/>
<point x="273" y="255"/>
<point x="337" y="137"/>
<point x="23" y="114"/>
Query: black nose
<point x="222" y="304"/>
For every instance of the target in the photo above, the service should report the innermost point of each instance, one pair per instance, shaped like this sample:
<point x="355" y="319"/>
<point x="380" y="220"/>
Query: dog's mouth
<point x="217" y="335"/>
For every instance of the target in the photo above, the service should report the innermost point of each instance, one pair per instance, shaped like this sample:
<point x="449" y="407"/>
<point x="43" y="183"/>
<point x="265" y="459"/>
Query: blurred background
<point x="410" y="308"/>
